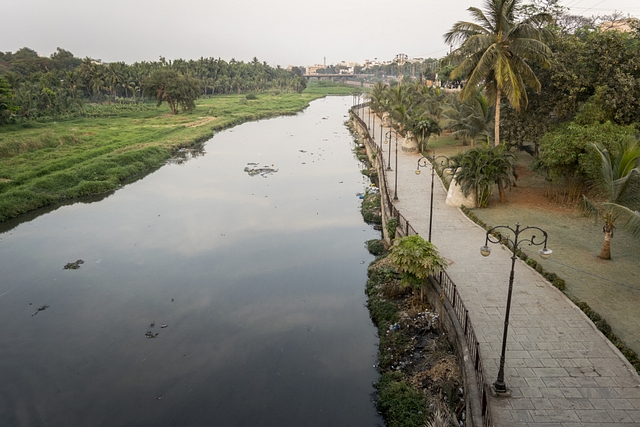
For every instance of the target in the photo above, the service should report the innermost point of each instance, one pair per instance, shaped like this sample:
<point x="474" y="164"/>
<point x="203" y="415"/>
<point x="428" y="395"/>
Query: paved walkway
<point x="561" y="371"/>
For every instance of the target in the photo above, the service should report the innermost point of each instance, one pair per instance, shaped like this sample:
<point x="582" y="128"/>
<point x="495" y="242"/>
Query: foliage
<point x="479" y="169"/>
<point x="496" y="51"/>
<point x="7" y="109"/>
<point x="176" y="89"/>
<point x="567" y="151"/>
<point x="59" y="86"/>
<point x="472" y="118"/>
<point x="401" y="405"/>
<point x="392" y="226"/>
<point x="620" y="190"/>
<point x="376" y="247"/>
<point x="416" y="259"/>
<point x="370" y="208"/>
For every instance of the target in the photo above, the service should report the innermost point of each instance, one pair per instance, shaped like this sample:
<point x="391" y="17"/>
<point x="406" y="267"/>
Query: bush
<point x="392" y="225"/>
<point x="400" y="405"/>
<point x="376" y="247"/>
<point x="251" y="96"/>
<point x="559" y="283"/>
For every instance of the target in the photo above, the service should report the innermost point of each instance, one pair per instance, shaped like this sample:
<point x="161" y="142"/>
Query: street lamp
<point x="386" y="140"/>
<point x="545" y="253"/>
<point x="422" y="163"/>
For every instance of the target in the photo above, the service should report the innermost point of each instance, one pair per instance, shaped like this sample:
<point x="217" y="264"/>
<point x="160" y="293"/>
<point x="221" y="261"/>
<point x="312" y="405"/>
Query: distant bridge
<point x="333" y="76"/>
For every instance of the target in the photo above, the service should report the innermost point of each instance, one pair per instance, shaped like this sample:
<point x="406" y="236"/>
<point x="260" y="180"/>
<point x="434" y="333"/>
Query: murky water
<point x="258" y="279"/>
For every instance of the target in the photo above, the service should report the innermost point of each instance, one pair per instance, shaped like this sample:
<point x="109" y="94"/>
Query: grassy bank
<point x="44" y="163"/>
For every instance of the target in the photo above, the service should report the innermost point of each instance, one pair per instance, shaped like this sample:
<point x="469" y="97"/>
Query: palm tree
<point x="478" y="169"/>
<point x="620" y="186"/>
<point x="496" y="51"/>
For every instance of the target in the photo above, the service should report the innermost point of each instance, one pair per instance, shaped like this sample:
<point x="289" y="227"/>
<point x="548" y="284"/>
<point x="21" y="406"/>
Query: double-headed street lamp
<point x="422" y="163"/>
<point x="388" y="140"/>
<point x="545" y="253"/>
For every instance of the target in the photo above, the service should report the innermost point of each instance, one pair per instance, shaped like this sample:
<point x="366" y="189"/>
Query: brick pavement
<point x="560" y="370"/>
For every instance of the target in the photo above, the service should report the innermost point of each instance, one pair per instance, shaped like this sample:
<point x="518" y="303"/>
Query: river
<point x="207" y="296"/>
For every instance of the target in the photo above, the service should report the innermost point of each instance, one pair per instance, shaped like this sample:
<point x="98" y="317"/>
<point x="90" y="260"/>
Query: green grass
<point x="330" y="88"/>
<point x="44" y="163"/>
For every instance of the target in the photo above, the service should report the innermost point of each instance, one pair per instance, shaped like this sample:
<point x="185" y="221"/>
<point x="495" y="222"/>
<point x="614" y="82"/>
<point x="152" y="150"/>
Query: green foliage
<point x="495" y="52"/>
<point x="392" y="226"/>
<point x="399" y="404"/>
<point x="376" y="247"/>
<point x="251" y="97"/>
<point x="568" y="152"/>
<point x="370" y="208"/>
<point x="416" y="259"/>
<point x="174" y="88"/>
<point x="479" y="169"/>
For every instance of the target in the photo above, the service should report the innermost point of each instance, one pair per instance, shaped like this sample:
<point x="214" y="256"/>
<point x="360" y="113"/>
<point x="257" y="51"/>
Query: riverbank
<point x="45" y="163"/>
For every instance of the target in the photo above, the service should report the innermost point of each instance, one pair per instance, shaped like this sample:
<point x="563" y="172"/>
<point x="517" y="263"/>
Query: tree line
<point x="32" y="86"/>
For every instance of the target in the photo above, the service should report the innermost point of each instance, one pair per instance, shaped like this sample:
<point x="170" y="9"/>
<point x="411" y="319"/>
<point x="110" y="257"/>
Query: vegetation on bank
<point x="419" y="373"/>
<point x="44" y="163"/>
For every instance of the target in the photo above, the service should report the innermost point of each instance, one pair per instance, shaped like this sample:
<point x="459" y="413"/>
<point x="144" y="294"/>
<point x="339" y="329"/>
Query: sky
<point x="279" y="32"/>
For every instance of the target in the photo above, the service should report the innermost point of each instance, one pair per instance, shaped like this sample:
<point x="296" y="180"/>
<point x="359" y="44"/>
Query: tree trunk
<point x="496" y="141"/>
<point x="503" y="197"/>
<point x="605" y="252"/>
<point x="473" y="142"/>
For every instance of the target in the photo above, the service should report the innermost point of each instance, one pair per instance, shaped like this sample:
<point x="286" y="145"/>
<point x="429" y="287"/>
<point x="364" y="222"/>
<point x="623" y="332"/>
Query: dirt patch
<point x="201" y="122"/>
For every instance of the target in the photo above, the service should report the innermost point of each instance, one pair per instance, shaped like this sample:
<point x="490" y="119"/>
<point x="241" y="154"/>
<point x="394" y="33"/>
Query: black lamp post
<point x="422" y="163"/>
<point x="387" y="139"/>
<point x="545" y="253"/>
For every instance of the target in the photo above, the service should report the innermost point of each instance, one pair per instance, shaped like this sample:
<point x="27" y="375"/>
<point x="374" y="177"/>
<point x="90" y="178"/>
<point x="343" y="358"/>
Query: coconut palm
<point x="496" y="51"/>
<point x="620" y="192"/>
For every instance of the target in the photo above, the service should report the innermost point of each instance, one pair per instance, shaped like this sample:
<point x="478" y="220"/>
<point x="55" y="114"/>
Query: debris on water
<point x="171" y="299"/>
<point x="152" y="324"/>
<point x="150" y="334"/>
<point x="160" y="397"/>
<point x="73" y="265"/>
<point x="263" y="171"/>
<point x="302" y="151"/>
<point x="163" y="326"/>
<point x="43" y="308"/>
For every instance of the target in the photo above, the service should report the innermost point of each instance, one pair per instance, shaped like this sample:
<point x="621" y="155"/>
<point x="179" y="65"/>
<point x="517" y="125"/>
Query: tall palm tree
<point x="496" y="51"/>
<point x="620" y="198"/>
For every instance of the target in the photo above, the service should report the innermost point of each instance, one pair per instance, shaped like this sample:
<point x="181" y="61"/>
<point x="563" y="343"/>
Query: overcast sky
<point x="280" y="32"/>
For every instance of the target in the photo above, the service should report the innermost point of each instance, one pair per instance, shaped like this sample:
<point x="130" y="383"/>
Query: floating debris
<point x="160" y="397"/>
<point x="73" y="265"/>
<point x="150" y="334"/>
<point x="152" y="324"/>
<point x="163" y="326"/>
<point x="263" y="171"/>
<point x="43" y="308"/>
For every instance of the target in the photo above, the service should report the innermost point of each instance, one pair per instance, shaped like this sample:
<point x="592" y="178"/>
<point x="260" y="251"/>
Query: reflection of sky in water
<point x="267" y="324"/>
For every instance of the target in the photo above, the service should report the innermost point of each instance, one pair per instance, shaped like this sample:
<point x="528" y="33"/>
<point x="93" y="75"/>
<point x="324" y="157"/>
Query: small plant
<point x="251" y="96"/>
<point x="416" y="259"/>
<point x="392" y="225"/>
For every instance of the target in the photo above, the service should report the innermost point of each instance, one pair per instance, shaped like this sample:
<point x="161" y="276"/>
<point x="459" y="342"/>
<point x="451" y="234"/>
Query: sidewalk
<point x="561" y="371"/>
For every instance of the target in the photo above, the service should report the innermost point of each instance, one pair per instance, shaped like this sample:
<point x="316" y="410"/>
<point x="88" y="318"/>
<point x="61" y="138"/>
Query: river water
<point x="258" y="279"/>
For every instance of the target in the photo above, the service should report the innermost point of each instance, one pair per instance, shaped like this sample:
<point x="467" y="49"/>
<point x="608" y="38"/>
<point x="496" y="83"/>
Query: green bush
<point x="399" y="404"/>
<point x="392" y="225"/>
<point x="559" y="283"/>
<point x="375" y="247"/>
<point x="251" y="96"/>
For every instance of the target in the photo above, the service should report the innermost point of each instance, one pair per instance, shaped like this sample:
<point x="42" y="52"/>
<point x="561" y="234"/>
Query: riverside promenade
<point x="560" y="370"/>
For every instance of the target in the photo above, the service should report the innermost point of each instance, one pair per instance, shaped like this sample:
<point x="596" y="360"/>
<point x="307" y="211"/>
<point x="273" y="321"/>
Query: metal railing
<point x="449" y="288"/>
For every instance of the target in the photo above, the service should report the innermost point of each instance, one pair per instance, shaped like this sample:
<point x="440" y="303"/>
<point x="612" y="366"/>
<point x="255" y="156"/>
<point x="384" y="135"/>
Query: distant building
<point x="314" y="69"/>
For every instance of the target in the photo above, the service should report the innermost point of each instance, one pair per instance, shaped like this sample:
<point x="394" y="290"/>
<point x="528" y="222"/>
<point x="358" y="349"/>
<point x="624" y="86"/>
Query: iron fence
<point x="447" y="285"/>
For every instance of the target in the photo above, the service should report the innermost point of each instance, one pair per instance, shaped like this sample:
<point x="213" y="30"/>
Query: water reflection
<point x="259" y="279"/>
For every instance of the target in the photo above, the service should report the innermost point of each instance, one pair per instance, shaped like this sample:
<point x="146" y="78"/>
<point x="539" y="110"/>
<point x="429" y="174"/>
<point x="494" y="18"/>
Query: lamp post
<point x="388" y="139"/>
<point x="422" y="163"/>
<point x="545" y="253"/>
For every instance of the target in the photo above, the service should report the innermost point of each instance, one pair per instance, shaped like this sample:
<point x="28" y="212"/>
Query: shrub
<point x="559" y="283"/>
<point x="392" y="225"/>
<point x="400" y="405"/>
<point x="251" y="96"/>
<point x="375" y="247"/>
